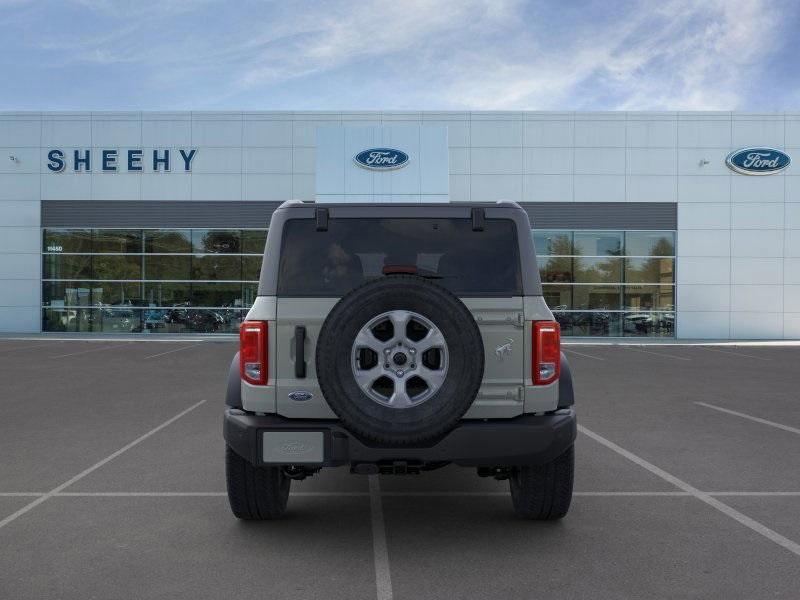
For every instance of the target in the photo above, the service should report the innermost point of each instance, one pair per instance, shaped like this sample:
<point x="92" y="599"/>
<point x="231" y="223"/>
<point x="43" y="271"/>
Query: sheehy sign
<point x="133" y="160"/>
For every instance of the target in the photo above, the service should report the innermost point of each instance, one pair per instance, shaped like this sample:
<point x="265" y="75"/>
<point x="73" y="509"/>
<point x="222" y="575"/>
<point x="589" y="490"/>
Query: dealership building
<point x="647" y="225"/>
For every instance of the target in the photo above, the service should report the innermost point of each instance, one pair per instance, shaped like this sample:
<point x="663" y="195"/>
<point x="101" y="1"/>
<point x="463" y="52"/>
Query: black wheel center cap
<point x="400" y="359"/>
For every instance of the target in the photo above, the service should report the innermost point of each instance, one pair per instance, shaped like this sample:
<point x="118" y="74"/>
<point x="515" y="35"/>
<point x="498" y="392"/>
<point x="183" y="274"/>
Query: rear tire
<point x="544" y="492"/>
<point x="255" y="493"/>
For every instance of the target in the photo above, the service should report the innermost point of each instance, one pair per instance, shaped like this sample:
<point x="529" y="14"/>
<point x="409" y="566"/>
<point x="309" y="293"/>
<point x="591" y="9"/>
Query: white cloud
<point x="473" y="54"/>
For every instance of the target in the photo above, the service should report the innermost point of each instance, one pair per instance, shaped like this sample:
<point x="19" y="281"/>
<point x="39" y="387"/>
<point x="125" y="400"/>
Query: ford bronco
<point x="399" y="338"/>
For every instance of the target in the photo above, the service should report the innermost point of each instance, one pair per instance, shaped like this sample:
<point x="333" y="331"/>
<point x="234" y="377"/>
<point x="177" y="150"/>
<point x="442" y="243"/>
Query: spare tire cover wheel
<point x="400" y="360"/>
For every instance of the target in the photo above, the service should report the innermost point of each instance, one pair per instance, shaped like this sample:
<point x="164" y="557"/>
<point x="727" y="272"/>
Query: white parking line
<point x="380" y="551"/>
<point x="581" y="354"/>
<point x="94" y="467"/>
<point x="751" y="418"/>
<point x="656" y="353"/>
<point x="194" y="345"/>
<point x="734" y="514"/>
<point x="91" y="350"/>
<point x="740" y="354"/>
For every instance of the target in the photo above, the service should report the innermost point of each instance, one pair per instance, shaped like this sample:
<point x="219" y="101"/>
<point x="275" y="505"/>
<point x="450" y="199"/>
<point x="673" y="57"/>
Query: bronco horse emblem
<point x="504" y="350"/>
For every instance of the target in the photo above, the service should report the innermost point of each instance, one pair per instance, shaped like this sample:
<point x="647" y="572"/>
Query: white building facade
<point x="154" y="222"/>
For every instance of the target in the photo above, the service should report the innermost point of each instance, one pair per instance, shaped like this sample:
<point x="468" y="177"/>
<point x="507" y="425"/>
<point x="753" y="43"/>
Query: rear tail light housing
<point x="546" y="352"/>
<point x="253" y="352"/>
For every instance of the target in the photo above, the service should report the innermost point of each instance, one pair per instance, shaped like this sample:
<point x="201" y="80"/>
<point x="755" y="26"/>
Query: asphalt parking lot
<point x="112" y="486"/>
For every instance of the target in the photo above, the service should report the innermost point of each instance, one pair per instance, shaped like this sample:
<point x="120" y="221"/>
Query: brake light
<point x="253" y="352"/>
<point x="546" y="352"/>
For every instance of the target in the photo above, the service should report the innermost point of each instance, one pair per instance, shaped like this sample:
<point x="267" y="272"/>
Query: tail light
<point x="253" y="352"/>
<point x="546" y="352"/>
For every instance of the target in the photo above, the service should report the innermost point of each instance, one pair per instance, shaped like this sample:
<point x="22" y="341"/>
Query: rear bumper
<point x="524" y="440"/>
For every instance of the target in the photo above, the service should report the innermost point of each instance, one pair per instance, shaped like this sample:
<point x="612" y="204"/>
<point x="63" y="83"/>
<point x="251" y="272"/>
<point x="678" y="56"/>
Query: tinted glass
<point x="168" y="267"/>
<point x="648" y="324"/>
<point x="649" y="270"/>
<point x="552" y="242"/>
<point x="649" y="297"/>
<point x="67" y="240"/>
<point x="117" y="266"/>
<point x="91" y="293"/>
<point x="649" y="243"/>
<point x="217" y="294"/>
<point x="555" y="269"/>
<point x="597" y="297"/>
<point x="168" y="240"/>
<point x="253" y="241"/>
<point x="558" y="297"/>
<point x="167" y="294"/>
<point x="214" y="267"/>
<point x="598" y="270"/>
<point x="226" y="241"/>
<point x="598" y="243"/>
<point x="67" y="266"/>
<point x="117" y="240"/>
<point x="467" y="262"/>
<point x="594" y="324"/>
<point x="251" y="268"/>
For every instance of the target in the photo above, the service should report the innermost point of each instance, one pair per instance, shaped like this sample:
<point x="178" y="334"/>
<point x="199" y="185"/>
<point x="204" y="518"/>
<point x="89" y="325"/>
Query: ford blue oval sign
<point x="758" y="161"/>
<point x="381" y="159"/>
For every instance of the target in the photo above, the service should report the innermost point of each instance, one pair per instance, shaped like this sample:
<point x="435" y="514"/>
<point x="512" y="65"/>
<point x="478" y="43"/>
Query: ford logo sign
<point x="300" y="396"/>
<point x="381" y="159"/>
<point x="758" y="161"/>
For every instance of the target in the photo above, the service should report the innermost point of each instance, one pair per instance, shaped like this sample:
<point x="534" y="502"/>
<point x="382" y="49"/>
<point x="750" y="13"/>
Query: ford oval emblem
<point x="758" y="161"/>
<point x="300" y="396"/>
<point x="381" y="159"/>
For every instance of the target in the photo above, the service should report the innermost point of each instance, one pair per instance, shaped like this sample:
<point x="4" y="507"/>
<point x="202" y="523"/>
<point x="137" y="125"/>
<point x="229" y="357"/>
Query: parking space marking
<point x="91" y="350"/>
<point x="380" y="550"/>
<point x="676" y="357"/>
<point x="30" y="506"/>
<point x="194" y="345"/>
<point x="734" y="514"/>
<point x="584" y="355"/>
<point x="740" y="354"/>
<point x="794" y="430"/>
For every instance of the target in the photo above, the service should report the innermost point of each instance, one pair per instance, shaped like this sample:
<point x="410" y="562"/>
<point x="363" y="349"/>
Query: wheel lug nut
<point x="386" y="366"/>
<point x="399" y="373"/>
<point x="412" y="351"/>
<point x="413" y="366"/>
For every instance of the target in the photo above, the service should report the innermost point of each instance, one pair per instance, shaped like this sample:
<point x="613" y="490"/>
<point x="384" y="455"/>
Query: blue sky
<point x="400" y="54"/>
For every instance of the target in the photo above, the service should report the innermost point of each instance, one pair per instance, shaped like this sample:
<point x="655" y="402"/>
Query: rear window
<point x="466" y="262"/>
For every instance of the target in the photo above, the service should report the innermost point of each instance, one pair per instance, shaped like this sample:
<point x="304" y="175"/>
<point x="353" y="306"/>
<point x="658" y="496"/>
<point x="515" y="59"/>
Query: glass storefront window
<point x="650" y="243"/>
<point x="558" y="297"/>
<point x="67" y="240"/>
<point x="597" y="283"/>
<point x="67" y="266"/>
<point x="649" y="297"/>
<point x="149" y="280"/>
<point x="178" y="267"/>
<point x="598" y="243"/>
<point x="168" y="241"/>
<point x="555" y="269"/>
<point x="251" y="268"/>
<point x="117" y="240"/>
<point x="253" y="241"/>
<point x="216" y="267"/>
<point x="548" y="243"/>
<point x="227" y="241"/>
<point x="597" y="297"/>
<point x="650" y="270"/>
<point x="117" y="266"/>
<point x="598" y="270"/>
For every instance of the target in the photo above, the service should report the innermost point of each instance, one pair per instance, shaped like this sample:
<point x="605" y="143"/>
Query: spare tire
<point x="399" y="360"/>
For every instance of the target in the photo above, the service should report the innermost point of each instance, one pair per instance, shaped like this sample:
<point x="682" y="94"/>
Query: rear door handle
<point x="300" y="351"/>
